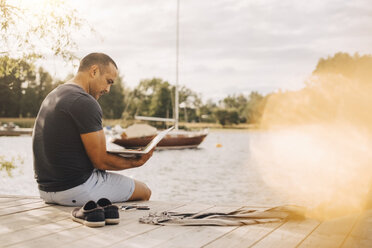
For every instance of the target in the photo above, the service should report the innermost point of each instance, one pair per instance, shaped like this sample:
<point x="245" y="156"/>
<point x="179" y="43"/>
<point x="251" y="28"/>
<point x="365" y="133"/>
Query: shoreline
<point x="29" y="123"/>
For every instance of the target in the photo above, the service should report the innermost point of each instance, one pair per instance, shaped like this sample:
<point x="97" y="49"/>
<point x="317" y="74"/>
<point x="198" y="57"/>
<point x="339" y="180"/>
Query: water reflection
<point x="209" y="174"/>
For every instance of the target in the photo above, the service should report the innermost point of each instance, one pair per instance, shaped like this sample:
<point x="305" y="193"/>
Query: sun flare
<point x="318" y="153"/>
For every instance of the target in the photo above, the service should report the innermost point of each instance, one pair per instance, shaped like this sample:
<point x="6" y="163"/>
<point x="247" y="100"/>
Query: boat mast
<point x="177" y="51"/>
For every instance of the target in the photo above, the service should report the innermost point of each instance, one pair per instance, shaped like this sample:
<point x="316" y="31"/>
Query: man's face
<point x="101" y="80"/>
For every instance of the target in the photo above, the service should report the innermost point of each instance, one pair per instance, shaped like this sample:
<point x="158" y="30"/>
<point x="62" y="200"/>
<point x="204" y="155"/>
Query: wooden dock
<point x="29" y="222"/>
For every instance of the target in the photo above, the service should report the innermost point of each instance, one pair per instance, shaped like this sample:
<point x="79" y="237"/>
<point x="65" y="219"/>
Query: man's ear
<point x="94" y="71"/>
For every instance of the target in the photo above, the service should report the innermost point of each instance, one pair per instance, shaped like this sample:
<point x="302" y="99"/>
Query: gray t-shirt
<point x="60" y="159"/>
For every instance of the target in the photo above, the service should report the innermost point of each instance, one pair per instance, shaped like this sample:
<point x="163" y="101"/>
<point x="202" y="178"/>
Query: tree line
<point x="49" y="30"/>
<point x="23" y="87"/>
<point x="338" y="91"/>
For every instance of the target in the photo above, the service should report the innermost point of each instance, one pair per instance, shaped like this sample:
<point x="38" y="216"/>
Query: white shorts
<point x="101" y="184"/>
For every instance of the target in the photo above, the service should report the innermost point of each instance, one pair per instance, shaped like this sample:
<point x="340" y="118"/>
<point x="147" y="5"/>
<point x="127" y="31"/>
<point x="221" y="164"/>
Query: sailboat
<point x="176" y="139"/>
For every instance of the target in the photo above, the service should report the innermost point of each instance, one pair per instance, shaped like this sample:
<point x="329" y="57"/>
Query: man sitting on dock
<point x="69" y="146"/>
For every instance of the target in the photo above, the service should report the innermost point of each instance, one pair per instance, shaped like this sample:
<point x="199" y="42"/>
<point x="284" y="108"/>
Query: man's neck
<point x="80" y="81"/>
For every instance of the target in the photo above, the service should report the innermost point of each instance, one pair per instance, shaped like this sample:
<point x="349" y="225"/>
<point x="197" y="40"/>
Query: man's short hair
<point x="100" y="59"/>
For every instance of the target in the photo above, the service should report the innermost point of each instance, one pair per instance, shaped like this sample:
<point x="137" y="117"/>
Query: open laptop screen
<point x="146" y="149"/>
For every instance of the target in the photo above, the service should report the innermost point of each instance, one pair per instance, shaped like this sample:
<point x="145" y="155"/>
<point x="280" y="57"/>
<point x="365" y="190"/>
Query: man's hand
<point x="137" y="162"/>
<point x="95" y="147"/>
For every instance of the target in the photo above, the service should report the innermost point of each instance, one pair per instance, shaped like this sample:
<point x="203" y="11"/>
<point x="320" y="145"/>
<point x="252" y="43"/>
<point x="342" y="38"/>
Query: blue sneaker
<point x="111" y="211"/>
<point x="90" y="215"/>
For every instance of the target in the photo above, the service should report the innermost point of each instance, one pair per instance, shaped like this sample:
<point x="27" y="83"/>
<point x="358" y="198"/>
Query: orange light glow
<point x="318" y="153"/>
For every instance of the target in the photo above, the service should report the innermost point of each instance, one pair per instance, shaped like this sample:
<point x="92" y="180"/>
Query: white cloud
<point x="226" y="46"/>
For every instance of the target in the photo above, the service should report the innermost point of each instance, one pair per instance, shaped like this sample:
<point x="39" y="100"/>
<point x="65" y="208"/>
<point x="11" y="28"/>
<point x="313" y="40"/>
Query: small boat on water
<point x="174" y="140"/>
<point x="10" y="129"/>
<point x="139" y="135"/>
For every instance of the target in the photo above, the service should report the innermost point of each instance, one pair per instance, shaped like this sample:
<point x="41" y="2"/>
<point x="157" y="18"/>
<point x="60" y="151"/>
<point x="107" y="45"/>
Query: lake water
<point x="210" y="174"/>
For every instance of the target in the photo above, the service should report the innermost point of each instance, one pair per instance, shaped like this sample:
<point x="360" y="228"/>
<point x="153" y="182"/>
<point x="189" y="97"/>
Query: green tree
<point x="161" y="101"/>
<point x="155" y="97"/>
<point x="22" y="87"/>
<point x="152" y="98"/>
<point x="233" y="117"/>
<point x="189" y="104"/>
<point x="354" y="67"/>
<point x="29" y="102"/>
<point x="45" y="84"/>
<point x="31" y="32"/>
<point x="35" y="92"/>
<point x="221" y="116"/>
<point x="14" y="73"/>
<point x="206" y="112"/>
<point x="28" y="33"/>
<point x="113" y="103"/>
<point x="254" y="107"/>
<point x="237" y="103"/>
<point x="225" y="116"/>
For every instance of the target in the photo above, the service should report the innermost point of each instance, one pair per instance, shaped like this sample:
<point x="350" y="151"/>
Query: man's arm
<point x="95" y="146"/>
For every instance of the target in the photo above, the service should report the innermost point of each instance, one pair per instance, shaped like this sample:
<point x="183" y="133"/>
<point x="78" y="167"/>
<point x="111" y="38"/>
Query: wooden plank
<point x="16" y="202"/>
<point x="330" y="233"/>
<point x="158" y="234"/>
<point x="130" y="229"/>
<point x="196" y="236"/>
<point x="174" y="236"/>
<point x="7" y="198"/>
<point x="20" y="196"/>
<point x="58" y="237"/>
<point x="244" y="236"/>
<point x="3" y="200"/>
<point x="28" y="222"/>
<point x="361" y="235"/>
<point x="22" y="208"/>
<point x="17" y="238"/>
<point x="82" y="234"/>
<point x="289" y="234"/>
<point x="108" y="235"/>
<point x="28" y="219"/>
<point x="204" y="235"/>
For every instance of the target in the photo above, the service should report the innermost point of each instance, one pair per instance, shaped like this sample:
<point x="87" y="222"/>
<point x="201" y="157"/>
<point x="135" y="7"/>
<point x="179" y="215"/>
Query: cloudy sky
<point x="226" y="46"/>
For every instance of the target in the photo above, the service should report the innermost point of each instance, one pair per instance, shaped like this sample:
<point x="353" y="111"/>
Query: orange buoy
<point x="218" y="145"/>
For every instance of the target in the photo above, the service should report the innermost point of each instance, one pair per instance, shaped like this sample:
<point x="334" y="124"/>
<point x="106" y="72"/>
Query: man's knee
<point x="141" y="192"/>
<point x="147" y="194"/>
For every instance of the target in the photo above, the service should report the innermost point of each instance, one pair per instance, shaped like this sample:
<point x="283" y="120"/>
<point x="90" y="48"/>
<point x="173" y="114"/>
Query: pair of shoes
<point x="97" y="214"/>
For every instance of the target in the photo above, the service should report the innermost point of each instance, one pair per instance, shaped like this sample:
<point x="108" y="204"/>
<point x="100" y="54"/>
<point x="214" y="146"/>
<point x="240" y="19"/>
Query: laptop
<point x="138" y="152"/>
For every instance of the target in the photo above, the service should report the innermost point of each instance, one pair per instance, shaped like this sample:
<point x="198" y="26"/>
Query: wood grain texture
<point x="28" y="222"/>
